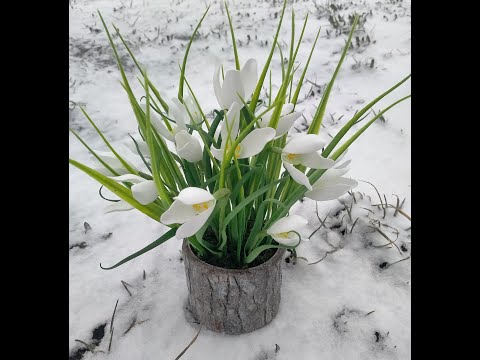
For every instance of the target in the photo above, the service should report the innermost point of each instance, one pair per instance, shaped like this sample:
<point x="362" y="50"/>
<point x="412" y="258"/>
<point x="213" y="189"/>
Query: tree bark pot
<point x="232" y="301"/>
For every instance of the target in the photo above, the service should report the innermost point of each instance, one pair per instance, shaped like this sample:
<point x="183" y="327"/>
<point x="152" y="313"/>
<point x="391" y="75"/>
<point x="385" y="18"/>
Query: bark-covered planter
<point x="232" y="301"/>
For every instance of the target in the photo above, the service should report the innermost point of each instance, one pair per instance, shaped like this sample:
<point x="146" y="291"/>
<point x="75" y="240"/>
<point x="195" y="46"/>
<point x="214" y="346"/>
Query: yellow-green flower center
<point x="200" y="207"/>
<point x="237" y="150"/>
<point x="292" y="157"/>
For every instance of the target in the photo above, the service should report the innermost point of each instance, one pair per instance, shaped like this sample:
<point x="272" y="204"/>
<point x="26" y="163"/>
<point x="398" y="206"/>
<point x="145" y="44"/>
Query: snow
<point x="324" y="307"/>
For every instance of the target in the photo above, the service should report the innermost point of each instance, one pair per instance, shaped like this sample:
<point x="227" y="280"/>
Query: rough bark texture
<point x="232" y="301"/>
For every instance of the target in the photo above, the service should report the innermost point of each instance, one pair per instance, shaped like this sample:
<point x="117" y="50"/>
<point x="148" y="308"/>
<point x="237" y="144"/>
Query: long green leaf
<point x="357" y="116"/>
<point x="241" y="205"/>
<point x="184" y="64"/>
<point x="151" y="210"/>
<point x="235" y="52"/>
<point x="167" y="236"/>
<point x="258" y="89"/>
<point x="318" y="117"/>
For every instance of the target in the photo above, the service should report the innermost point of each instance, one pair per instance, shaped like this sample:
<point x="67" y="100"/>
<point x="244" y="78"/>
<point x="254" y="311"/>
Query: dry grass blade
<point x="191" y="342"/>
<point x="396" y="262"/>
<point x="322" y="223"/>
<point x="400" y="211"/>
<point x="125" y="286"/>
<point x="351" y="230"/>
<point x="388" y="239"/>
<point x="111" y="326"/>
<point x="369" y="313"/>
<point x="327" y="253"/>
<point x="131" y="325"/>
<point x="378" y="193"/>
<point x="88" y="346"/>
<point x="398" y="205"/>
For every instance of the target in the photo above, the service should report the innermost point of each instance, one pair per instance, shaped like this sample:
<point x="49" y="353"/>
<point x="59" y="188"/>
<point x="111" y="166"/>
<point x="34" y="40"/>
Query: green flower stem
<point x="258" y="89"/>
<point x="318" y="117"/>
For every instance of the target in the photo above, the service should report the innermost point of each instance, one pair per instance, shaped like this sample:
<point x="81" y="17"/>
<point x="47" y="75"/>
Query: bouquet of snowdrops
<point x="228" y="186"/>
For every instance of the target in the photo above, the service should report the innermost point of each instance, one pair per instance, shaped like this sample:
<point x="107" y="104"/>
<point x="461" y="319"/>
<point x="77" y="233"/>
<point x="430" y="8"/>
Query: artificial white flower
<point x="332" y="184"/>
<point x="285" y="122"/>
<point x="191" y="208"/>
<point x="237" y="84"/>
<point x="282" y="230"/>
<point x="144" y="191"/>
<point x="111" y="160"/>
<point x="250" y="146"/>
<point x="304" y="149"/>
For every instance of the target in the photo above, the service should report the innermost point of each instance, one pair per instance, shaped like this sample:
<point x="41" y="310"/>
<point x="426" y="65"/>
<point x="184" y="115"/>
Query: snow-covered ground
<point x="351" y="305"/>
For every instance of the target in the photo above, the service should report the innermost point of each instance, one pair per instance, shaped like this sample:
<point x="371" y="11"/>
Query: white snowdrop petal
<point x="290" y="241"/>
<point x="188" y="147"/>
<point x="144" y="192"/>
<point x="177" y="213"/>
<point x="194" y="224"/>
<point x="118" y="206"/>
<point x="287" y="109"/>
<point x="249" y="77"/>
<point x="286" y="122"/>
<point x="179" y="114"/>
<point x="304" y="144"/>
<point x="231" y="123"/>
<point x="217" y="87"/>
<point x="287" y="223"/>
<point x="342" y="165"/>
<point x="217" y="153"/>
<point x="194" y="195"/>
<point x="297" y="175"/>
<point x="232" y="84"/>
<point x="255" y="142"/>
<point x="316" y="161"/>
<point x="330" y="192"/>
<point x="135" y="179"/>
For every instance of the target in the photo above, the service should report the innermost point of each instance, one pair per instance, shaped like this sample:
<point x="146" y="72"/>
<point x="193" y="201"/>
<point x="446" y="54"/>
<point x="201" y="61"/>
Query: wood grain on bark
<point x="233" y="301"/>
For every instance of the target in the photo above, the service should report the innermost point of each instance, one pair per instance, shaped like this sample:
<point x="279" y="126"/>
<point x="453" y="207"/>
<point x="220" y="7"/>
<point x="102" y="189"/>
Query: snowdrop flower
<point x="251" y="145"/>
<point x="332" y="185"/>
<point x="304" y="150"/>
<point x="287" y="118"/>
<point x="191" y="208"/>
<point x="236" y="83"/>
<point x="142" y="146"/>
<point x="176" y="112"/>
<point x="188" y="147"/>
<point x="118" y="206"/>
<point x="282" y="230"/>
<point x="144" y="191"/>
<point x="192" y="107"/>
<point x="111" y="160"/>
